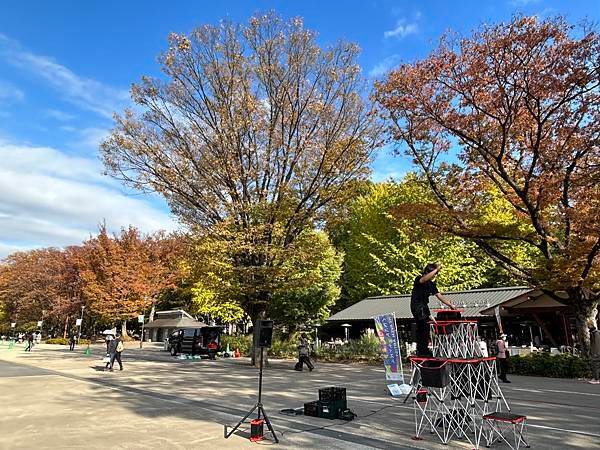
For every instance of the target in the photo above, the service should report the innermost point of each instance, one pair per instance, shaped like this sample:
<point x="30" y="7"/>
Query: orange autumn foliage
<point x="519" y="104"/>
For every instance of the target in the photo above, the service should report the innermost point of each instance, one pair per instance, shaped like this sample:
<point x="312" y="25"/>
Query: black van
<point x="195" y="341"/>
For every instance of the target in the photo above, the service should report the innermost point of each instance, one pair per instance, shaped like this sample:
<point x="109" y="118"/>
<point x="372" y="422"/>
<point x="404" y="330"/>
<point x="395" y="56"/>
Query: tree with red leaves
<point x="123" y="274"/>
<point x="520" y="104"/>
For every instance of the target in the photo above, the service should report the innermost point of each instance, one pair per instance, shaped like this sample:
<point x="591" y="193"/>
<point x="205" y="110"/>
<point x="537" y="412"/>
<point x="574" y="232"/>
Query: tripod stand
<point x="258" y="406"/>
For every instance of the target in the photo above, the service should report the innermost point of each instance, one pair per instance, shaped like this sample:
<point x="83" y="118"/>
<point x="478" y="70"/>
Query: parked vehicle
<point x="204" y="341"/>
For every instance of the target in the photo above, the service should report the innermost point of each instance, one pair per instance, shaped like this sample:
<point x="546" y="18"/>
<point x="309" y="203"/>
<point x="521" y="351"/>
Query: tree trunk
<point x="124" y="330"/>
<point x="152" y="312"/>
<point x="585" y="310"/>
<point x="66" y="326"/>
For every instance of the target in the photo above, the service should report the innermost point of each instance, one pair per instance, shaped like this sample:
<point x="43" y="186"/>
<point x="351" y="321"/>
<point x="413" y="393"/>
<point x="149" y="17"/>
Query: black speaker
<point x="265" y="333"/>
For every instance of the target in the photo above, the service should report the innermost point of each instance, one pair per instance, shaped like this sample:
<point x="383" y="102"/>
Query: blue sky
<point x="66" y="66"/>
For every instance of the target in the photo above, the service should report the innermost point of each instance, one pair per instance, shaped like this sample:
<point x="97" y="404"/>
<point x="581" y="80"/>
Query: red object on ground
<point x="256" y="430"/>
<point x="237" y="353"/>
<point x="505" y="417"/>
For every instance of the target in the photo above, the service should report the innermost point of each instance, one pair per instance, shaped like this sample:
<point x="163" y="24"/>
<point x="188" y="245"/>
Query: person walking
<point x="304" y="355"/>
<point x="115" y="349"/>
<point x="72" y="340"/>
<point x="594" y="352"/>
<point x="502" y="358"/>
<point x="107" y="339"/>
<point x="29" y="342"/>
<point x="423" y="287"/>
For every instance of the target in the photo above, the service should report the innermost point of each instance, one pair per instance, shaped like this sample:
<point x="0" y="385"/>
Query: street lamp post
<point x="141" y="320"/>
<point x="42" y="323"/>
<point x="346" y="326"/>
<point x="80" y="323"/>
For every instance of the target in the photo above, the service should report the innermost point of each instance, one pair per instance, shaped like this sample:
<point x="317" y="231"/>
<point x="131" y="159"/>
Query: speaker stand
<point x="257" y="407"/>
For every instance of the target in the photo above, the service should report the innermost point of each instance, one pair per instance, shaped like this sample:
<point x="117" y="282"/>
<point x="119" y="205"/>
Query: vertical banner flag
<point x="141" y="318"/>
<point x="385" y="326"/>
<point x="498" y="319"/>
<point x="77" y="322"/>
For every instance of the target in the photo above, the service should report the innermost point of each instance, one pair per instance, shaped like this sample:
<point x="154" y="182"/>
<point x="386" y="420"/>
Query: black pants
<point x="304" y="359"/>
<point x="502" y="367"/>
<point x="71" y="345"/>
<point x="423" y="337"/>
<point x="117" y="356"/>
<point x="29" y="346"/>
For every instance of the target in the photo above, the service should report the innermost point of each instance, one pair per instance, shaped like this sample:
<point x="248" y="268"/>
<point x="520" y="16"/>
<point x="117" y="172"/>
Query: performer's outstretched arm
<point x="445" y="301"/>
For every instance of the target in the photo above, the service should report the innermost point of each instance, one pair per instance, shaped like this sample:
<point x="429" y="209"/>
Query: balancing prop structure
<point x="455" y="392"/>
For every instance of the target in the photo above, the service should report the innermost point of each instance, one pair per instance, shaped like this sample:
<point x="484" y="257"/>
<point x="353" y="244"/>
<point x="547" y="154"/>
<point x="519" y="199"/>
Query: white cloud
<point x="59" y="115"/>
<point x="85" y="93"/>
<point x="9" y="92"/>
<point x="402" y="29"/>
<point x="91" y="137"/>
<point x="383" y="66"/>
<point x="49" y="198"/>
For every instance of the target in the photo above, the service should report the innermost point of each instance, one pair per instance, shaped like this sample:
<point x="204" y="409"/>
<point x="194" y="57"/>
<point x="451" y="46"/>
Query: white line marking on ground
<point x="562" y="429"/>
<point x="541" y="391"/>
<point x="572" y="392"/>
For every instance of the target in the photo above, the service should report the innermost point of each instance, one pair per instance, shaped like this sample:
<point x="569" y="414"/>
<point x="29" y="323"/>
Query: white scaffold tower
<point x="455" y="392"/>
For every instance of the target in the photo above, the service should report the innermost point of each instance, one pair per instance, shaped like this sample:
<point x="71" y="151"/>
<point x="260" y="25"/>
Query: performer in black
<point x="424" y="287"/>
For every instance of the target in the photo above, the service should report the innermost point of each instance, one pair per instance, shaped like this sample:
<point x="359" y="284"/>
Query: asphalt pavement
<point x="53" y="398"/>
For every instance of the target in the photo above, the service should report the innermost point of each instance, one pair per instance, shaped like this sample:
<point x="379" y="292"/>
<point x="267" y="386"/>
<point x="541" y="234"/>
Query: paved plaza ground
<point x="53" y="398"/>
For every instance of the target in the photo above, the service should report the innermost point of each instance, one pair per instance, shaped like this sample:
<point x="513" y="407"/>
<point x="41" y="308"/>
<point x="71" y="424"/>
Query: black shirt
<point x="421" y="293"/>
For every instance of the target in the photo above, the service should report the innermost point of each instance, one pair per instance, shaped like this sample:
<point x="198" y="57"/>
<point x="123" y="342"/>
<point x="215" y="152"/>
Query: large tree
<point x="253" y="125"/>
<point x="519" y="103"/>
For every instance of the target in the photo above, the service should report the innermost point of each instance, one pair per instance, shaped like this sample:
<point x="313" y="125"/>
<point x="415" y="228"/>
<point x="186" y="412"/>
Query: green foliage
<point x="547" y="365"/>
<point x="383" y="254"/>
<point x="178" y="298"/>
<point x="309" y="303"/>
<point x="65" y="341"/>
<point x="365" y="349"/>
<point x="243" y="343"/>
<point x="298" y="284"/>
<point x="206" y="302"/>
<point x="28" y="327"/>
<point x="285" y="348"/>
